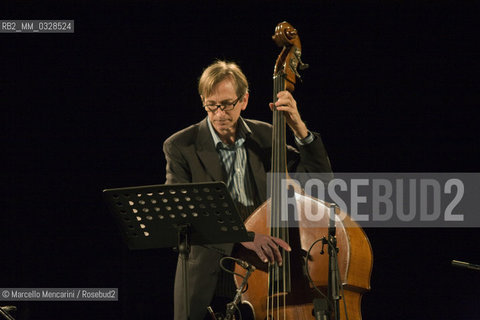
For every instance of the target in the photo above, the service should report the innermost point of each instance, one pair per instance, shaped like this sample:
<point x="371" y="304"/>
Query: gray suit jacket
<point x="191" y="157"/>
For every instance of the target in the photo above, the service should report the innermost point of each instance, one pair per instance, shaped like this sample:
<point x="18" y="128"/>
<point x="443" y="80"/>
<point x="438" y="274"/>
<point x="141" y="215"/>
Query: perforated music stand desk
<point x="177" y="215"/>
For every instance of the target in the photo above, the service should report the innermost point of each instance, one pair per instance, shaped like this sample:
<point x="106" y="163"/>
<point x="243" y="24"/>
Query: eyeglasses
<point x="225" y="106"/>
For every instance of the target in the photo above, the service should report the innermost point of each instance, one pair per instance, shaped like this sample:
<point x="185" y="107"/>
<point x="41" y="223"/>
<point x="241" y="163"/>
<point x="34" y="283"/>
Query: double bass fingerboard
<point x="279" y="277"/>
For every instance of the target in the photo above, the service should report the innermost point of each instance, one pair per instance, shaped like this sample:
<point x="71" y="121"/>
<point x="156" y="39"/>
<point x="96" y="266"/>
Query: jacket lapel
<point x="207" y="153"/>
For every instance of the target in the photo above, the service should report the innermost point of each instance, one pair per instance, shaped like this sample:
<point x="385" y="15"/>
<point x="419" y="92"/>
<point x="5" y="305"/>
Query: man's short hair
<point x="219" y="71"/>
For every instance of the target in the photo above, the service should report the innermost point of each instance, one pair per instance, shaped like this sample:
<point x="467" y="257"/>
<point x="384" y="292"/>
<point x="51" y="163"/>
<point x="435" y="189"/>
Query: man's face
<point x="225" y="122"/>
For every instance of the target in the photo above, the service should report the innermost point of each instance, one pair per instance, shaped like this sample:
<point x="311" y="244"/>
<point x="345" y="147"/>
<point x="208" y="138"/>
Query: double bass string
<point x="282" y="229"/>
<point x="273" y="269"/>
<point x="272" y="204"/>
<point x="277" y="184"/>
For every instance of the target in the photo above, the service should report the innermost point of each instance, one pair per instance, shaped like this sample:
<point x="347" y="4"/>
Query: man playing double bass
<point x="226" y="147"/>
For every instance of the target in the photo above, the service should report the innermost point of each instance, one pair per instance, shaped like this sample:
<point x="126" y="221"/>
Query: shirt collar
<point x="243" y="131"/>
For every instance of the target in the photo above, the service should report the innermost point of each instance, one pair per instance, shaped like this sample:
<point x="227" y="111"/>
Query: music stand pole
<point x="333" y="278"/>
<point x="184" y="252"/>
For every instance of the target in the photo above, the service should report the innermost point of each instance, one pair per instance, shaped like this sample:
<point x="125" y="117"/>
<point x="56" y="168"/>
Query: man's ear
<point x="245" y="101"/>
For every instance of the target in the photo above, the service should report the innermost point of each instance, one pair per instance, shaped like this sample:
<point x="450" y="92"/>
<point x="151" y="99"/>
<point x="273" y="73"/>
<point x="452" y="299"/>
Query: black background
<point x="392" y="87"/>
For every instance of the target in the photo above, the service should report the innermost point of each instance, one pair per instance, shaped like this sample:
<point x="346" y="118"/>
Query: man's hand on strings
<point x="267" y="247"/>
<point x="286" y="103"/>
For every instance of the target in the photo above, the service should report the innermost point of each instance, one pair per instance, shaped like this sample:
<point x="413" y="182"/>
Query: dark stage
<point x="392" y="87"/>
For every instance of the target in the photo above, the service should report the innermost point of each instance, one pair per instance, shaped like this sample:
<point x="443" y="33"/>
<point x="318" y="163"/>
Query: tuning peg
<point x="302" y="66"/>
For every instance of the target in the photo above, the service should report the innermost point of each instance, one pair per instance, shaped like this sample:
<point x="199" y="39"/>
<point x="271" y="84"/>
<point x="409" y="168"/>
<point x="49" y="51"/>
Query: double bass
<point x="285" y="292"/>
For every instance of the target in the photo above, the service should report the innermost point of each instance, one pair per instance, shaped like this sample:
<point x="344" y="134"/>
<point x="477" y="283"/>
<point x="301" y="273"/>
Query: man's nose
<point x="220" y="111"/>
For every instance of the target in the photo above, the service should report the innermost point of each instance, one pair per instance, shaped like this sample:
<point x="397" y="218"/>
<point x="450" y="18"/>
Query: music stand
<point x="177" y="215"/>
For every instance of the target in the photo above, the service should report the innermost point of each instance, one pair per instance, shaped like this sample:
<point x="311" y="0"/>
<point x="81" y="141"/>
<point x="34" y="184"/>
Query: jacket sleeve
<point x="310" y="158"/>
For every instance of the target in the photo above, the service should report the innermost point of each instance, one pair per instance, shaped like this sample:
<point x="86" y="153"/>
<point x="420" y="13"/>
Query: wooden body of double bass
<point x="355" y="261"/>
<point x="290" y="295"/>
